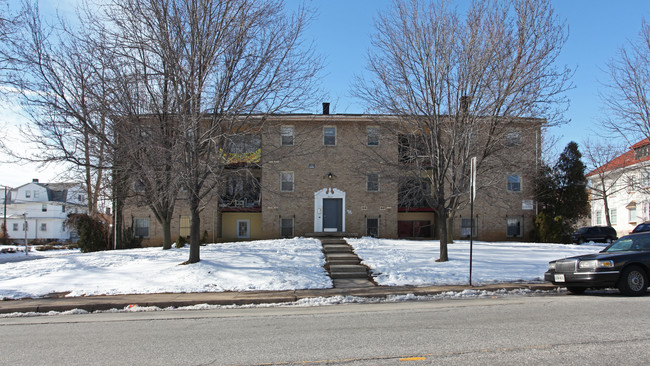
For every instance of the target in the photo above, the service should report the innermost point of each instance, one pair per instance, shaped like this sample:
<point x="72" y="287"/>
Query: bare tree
<point x="628" y="89"/>
<point x="458" y="84"/>
<point x="62" y="88"/>
<point x="223" y="67"/>
<point x="609" y="177"/>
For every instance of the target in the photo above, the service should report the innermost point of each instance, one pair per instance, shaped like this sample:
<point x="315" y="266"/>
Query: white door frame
<point x="318" y="206"/>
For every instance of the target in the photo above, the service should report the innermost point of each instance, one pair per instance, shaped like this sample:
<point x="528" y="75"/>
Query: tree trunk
<point x="442" y="224"/>
<point x="167" y="233"/>
<point x="195" y="231"/>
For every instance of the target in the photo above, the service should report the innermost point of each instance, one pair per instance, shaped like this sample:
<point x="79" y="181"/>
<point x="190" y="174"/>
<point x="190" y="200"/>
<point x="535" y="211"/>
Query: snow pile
<point x="284" y="264"/>
<point x="410" y="262"/>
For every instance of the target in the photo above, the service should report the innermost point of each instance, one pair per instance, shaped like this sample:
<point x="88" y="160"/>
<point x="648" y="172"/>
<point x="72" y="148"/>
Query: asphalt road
<point x="600" y="329"/>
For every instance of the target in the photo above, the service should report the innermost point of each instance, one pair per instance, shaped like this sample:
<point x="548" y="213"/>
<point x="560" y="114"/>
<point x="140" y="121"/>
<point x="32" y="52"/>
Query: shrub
<point x="181" y="242"/>
<point x="204" y="237"/>
<point x="129" y="240"/>
<point x="93" y="234"/>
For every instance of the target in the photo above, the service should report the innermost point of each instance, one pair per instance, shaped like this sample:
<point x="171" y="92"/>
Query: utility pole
<point x="472" y="195"/>
<point x="5" y="232"/>
<point x="25" y="218"/>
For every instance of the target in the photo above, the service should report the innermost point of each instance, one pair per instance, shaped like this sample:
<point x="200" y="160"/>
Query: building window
<point x="645" y="179"/>
<point x="513" y="138"/>
<point x="286" y="228"/>
<point x="44" y="208"/>
<point x="35" y="194"/>
<point x="372" y="134"/>
<point x="613" y="216"/>
<point x="243" y="229"/>
<point x="287" y="135"/>
<point x="185" y="226"/>
<point x="599" y="218"/>
<point x="44" y="226"/>
<point x="372" y="227"/>
<point x="465" y="226"/>
<point x="372" y="182"/>
<point x="15" y="226"/>
<point x="63" y="227"/>
<point x="63" y="208"/>
<point x="141" y="227"/>
<point x="514" y="183"/>
<point x="632" y="213"/>
<point x="514" y="227"/>
<point x="28" y="194"/>
<point x="286" y="181"/>
<point x="329" y="136"/>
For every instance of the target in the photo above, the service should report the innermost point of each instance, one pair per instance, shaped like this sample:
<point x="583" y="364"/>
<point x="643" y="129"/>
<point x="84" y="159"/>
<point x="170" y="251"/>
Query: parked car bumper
<point x="583" y="279"/>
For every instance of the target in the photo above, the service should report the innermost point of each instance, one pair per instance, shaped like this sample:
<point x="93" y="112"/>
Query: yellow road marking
<point x="413" y="359"/>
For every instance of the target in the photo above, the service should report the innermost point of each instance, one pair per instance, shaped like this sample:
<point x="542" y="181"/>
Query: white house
<point x="39" y="210"/>
<point x="624" y="182"/>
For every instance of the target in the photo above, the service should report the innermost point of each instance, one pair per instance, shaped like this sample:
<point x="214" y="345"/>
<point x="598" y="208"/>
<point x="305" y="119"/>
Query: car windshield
<point x="642" y="227"/>
<point x="630" y="242"/>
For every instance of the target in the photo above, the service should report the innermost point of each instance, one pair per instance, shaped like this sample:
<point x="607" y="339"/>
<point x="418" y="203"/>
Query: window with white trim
<point x="372" y="135"/>
<point x="467" y="225"/>
<point x="514" y="229"/>
<point x="372" y="182"/>
<point x="286" y="181"/>
<point x="514" y="183"/>
<point x="141" y="227"/>
<point x="599" y="218"/>
<point x="287" y="135"/>
<point x="329" y="136"/>
<point x="43" y="226"/>
<point x="513" y="138"/>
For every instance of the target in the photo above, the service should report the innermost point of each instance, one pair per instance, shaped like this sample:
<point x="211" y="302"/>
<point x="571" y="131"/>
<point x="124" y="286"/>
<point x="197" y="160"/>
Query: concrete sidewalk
<point x="93" y="303"/>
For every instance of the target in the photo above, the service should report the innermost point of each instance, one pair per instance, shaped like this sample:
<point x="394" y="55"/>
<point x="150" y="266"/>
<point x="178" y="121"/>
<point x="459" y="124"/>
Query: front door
<point x="333" y="214"/>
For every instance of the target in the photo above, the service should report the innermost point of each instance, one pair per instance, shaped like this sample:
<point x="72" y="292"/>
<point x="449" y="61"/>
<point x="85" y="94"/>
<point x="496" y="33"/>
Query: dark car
<point x="644" y="226"/>
<point x="623" y="264"/>
<point x="604" y="234"/>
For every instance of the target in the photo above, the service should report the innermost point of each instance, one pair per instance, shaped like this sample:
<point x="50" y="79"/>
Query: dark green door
<point x="333" y="214"/>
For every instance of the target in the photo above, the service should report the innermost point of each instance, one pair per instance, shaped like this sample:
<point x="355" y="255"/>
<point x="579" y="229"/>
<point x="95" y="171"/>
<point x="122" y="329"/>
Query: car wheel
<point x="581" y="241"/>
<point x="576" y="290"/>
<point x="633" y="281"/>
<point x="608" y="241"/>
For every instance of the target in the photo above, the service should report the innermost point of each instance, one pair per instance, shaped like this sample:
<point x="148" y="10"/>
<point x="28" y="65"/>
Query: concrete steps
<point x="343" y="264"/>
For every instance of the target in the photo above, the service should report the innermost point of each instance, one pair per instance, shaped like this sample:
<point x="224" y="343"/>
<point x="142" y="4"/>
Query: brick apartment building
<point x="337" y="173"/>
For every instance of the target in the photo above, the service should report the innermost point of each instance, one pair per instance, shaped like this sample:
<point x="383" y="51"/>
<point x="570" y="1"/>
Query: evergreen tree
<point x="573" y="201"/>
<point x="562" y="196"/>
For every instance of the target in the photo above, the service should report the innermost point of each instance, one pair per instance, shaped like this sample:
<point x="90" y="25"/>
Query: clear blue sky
<point x="341" y="31"/>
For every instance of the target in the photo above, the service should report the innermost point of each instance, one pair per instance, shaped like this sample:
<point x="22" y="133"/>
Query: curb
<point x="165" y="300"/>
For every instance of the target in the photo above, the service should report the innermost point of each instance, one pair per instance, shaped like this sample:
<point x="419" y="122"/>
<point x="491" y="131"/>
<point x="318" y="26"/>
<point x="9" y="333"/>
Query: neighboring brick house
<point x="625" y="182"/>
<point x="338" y="173"/>
<point x="39" y="210"/>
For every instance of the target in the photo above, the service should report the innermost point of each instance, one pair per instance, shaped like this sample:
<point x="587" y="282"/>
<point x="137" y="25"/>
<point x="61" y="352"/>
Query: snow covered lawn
<point x="284" y="264"/>
<point x="245" y="266"/>
<point x="409" y="262"/>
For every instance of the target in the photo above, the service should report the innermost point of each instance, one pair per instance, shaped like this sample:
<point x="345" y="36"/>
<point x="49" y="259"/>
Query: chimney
<point x="35" y="180"/>
<point x="326" y="108"/>
<point x="464" y="104"/>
